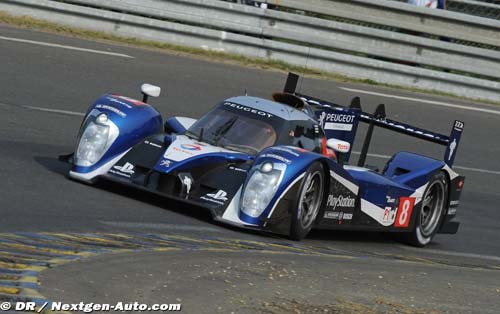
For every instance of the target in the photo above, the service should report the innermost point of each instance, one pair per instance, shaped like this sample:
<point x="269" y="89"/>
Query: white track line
<point x="452" y="253"/>
<point x="41" y="43"/>
<point x="158" y="226"/>
<point x="71" y="113"/>
<point x="432" y="102"/>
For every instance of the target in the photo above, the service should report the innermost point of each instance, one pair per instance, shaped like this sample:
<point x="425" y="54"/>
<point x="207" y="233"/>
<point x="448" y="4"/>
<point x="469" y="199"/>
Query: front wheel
<point x="308" y="203"/>
<point x="431" y="212"/>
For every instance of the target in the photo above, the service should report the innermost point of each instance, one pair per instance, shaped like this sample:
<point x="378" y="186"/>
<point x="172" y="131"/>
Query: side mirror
<point x="338" y="145"/>
<point x="149" y="90"/>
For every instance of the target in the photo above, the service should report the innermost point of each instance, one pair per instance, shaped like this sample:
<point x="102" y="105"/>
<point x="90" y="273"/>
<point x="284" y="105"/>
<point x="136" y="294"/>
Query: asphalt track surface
<point x="44" y="89"/>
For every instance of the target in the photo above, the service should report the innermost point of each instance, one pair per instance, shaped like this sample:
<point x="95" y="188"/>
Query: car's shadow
<point x="54" y="165"/>
<point x="350" y="236"/>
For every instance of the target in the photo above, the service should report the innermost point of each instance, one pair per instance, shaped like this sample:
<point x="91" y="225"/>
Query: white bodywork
<point x="89" y="176"/>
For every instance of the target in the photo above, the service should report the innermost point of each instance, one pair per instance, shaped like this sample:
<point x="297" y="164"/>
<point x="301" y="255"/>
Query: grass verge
<point x="27" y="22"/>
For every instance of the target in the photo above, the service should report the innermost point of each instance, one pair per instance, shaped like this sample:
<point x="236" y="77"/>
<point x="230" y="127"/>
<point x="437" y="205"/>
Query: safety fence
<point x="484" y="8"/>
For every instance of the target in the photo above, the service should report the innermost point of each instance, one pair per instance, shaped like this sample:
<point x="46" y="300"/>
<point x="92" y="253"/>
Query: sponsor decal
<point x="336" y="121"/>
<point x="452" y="210"/>
<point x="131" y="100"/>
<point x="237" y="169"/>
<point x="343" y="147"/>
<point x="321" y="119"/>
<point x="112" y="109"/>
<point x="340" y="201"/>
<point x="165" y="163"/>
<point x="331" y="215"/>
<point x="219" y="197"/>
<point x="287" y="150"/>
<point x="459" y="126"/>
<point x="127" y="170"/>
<point x="302" y="150"/>
<point x="187" y="182"/>
<point x="340" y="117"/>
<point x="338" y="126"/>
<point x="191" y="146"/>
<point x="249" y="109"/>
<point x="152" y="144"/>
<point x="452" y="147"/>
<point x="341" y="217"/>
<point x="410" y="129"/>
<point x="338" y="215"/>
<point x="404" y="212"/>
<point x="287" y="161"/>
<point x="389" y="215"/>
<point x="390" y="200"/>
<point x="119" y="102"/>
<point x="178" y="151"/>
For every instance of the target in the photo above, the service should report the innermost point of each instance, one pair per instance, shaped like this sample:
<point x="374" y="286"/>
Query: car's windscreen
<point x="234" y="130"/>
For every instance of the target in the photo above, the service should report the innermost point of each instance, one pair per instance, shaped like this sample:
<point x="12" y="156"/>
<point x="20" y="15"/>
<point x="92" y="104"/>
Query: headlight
<point x="261" y="187"/>
<point x="97" y="135"/>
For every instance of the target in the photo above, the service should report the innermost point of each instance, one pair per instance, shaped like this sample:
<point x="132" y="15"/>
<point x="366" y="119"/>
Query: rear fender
<point x="412" y="169"/>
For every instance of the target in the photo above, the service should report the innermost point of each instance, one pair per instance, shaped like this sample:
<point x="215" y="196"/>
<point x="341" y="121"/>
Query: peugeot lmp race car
<point x="280" y="166"/>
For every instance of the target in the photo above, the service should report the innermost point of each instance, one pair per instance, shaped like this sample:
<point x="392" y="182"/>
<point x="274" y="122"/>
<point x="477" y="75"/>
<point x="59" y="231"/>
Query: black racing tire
<point x="308" y="204"/>
<point x="431" y="213"/>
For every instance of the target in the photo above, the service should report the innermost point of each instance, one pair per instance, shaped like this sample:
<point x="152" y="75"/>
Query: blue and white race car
<point x="280" y="166"/>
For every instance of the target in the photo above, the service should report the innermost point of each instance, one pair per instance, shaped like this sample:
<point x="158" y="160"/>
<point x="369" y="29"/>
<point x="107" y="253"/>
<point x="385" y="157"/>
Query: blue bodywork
<point x="135" y="120"/>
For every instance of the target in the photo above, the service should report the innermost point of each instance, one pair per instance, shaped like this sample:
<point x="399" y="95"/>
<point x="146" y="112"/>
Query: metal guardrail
<point x="354" y="50"/>
<point x="489" y="9"/>
<point x="403" y="17"/>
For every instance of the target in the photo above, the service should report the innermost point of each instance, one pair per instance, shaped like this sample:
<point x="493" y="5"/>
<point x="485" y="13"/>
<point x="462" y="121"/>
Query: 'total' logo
<point x="191" y="147"/>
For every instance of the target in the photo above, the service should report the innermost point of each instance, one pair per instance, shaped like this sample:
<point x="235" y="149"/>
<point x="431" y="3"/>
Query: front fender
<point x="134" y="120"/>
<point x="276" y="215"/>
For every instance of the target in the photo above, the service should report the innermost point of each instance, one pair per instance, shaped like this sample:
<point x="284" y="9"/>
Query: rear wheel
<point x="308" y="203"/>
<point x="431" y="212"/>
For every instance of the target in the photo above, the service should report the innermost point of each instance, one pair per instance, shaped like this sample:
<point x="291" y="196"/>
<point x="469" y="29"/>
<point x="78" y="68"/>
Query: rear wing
<point x="377" y="119"/>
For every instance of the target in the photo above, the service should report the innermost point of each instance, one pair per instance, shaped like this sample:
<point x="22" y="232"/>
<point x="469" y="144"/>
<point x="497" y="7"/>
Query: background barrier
<point x="384" y="41"/>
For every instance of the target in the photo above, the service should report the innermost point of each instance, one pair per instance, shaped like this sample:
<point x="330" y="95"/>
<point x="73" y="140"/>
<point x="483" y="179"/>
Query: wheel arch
<point x="327" y="184"/>
<point x="448" y="195"/>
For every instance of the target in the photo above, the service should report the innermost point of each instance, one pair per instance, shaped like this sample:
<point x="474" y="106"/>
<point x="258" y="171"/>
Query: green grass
<point x="266" y="64"/>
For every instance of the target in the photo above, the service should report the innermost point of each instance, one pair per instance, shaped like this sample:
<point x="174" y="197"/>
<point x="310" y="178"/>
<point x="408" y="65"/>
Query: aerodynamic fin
<point x="341" y="122"/>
